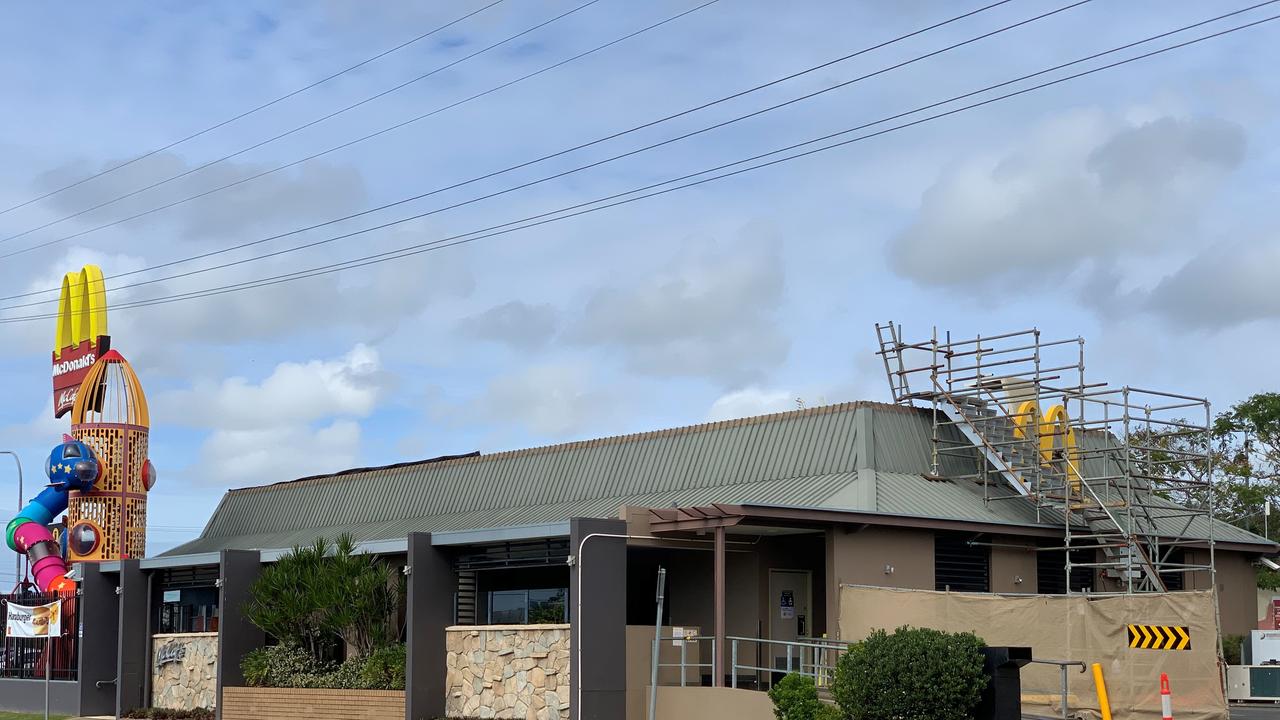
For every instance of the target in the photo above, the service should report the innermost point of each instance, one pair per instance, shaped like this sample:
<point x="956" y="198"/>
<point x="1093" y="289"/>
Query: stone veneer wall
<point x="508" y="671"/>
<point x="184" y="670"/>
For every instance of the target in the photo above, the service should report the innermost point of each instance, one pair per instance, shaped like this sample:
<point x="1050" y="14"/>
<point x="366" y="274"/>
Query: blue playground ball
<point x="73" y="465"/>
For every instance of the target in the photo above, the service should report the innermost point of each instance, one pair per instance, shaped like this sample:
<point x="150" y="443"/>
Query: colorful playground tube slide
<point x="71" y="466"/>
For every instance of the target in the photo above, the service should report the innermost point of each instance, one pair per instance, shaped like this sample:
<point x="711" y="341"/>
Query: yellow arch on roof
<point x="1057" y="423"/>
<point x="82" y="308"/>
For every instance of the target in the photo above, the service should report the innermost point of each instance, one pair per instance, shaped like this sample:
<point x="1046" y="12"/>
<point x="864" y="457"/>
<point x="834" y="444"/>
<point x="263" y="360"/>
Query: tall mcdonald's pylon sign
<point x="82" y="334"/>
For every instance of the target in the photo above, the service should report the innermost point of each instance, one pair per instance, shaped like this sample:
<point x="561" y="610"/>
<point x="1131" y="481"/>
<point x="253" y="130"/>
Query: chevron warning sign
<point x="1159" y="637"/>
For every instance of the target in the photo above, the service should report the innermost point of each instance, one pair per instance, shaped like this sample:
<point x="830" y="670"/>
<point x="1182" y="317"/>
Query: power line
<point x="350" y="143"/>
<point x="302" y="127"/>
<point x="621" y="199"/>
<point x="253" y="110"/>
<point x="436" y="191"/>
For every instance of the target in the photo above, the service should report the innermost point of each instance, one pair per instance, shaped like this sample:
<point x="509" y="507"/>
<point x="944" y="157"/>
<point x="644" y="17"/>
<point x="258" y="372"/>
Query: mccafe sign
<point x="82" y="334"/>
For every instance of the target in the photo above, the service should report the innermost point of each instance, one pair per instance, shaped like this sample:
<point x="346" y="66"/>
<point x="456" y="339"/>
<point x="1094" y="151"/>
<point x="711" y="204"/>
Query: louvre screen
<point x="959" y="565"/>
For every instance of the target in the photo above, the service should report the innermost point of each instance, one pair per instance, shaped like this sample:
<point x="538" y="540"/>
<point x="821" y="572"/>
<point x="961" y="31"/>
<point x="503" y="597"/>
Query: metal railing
<point x="757" y="658"/>
<point x="1062" y="668"/>
<point x="30" y="658"/>
<point x="815" y="658"/>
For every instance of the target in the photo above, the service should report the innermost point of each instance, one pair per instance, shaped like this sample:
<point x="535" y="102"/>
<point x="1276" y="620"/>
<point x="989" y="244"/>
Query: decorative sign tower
<point x="110" y="415"/>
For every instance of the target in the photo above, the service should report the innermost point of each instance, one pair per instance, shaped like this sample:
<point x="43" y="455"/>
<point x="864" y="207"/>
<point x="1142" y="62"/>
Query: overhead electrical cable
<point x="540" y="180"/>
<point x="622" y="199"/>
<point x="252" y="110"/>
<point x="304" y="126"/>
<point x="350" y="143"/>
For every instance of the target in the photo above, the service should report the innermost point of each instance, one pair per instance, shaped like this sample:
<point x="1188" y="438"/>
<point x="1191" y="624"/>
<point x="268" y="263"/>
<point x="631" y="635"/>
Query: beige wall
<point x="1009" y="564"/>
<point x="1237" y="589"/>
<point x="639" y="654"/>
<point x="860" y="557"/>
<point x="699" y="703"/>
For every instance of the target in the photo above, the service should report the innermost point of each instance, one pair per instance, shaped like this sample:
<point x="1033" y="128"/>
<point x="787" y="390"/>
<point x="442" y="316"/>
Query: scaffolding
<point x="1126" y="471"/>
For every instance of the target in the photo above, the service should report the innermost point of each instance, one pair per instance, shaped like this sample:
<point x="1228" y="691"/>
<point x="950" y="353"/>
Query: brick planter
<point x="245" y="703"/>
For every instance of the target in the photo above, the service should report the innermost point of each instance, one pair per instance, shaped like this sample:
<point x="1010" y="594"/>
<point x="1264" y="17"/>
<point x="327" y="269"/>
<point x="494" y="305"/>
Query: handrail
<point x="1062" y="667"/>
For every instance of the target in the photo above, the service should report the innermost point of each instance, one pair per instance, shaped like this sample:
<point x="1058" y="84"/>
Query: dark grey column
<point x="236" y="635"/>
<point x="133" y="652"/>
<point x="100" y="641"/>
<point x="598" y="598"/>
<point x="432" y="584"/>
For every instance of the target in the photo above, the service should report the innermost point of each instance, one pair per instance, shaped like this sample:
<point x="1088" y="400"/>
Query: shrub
<point x="323" y="596"/>
<point x="1231" y="649"/>
<point x="166" y="714"/>
<point x="795" y="697"/>
<point x="293" y="667"/>
<point x="912" y="674"/>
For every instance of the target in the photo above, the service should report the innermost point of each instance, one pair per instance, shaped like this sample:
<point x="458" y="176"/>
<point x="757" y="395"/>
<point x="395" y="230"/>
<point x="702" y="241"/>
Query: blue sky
<point x="1134" y="207"/>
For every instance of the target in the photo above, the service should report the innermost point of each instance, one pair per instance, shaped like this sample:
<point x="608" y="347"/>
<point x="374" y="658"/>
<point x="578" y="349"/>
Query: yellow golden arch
<point x="82" y="308"/>
<point x="1053" y="424"/>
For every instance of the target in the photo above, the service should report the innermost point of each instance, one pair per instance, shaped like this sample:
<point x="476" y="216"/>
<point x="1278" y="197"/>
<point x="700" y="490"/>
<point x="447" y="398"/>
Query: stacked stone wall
<point x="184" y="670"/>
<point x="508" y="671"/>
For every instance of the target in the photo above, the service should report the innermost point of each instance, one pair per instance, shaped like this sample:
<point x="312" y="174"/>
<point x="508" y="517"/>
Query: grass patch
<point x="28" y="716"/>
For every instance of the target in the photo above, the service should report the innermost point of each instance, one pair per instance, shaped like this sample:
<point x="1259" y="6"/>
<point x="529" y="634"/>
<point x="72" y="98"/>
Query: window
<point x="526" y="607"/>
<point x="1051" y="571"/>
<point x="960" y="565"/>
<point x="188" y="610"/>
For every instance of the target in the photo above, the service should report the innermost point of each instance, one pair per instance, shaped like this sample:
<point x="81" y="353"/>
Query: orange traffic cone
<point x="1166" y="700"/>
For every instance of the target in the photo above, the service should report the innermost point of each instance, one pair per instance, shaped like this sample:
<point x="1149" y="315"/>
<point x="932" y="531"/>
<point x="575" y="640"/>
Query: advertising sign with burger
<point x="41" y="621"/>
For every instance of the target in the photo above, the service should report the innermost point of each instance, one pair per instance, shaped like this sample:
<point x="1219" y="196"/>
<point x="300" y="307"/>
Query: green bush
<point x="294" y="667"/>
<point x="828" y="712"/>
<point x="912" y="674"/>
<point x="323" y="596"/>
<point x="166" y="714"/>
<point x="1231" y="649"/>
<point x="795" y="697"/>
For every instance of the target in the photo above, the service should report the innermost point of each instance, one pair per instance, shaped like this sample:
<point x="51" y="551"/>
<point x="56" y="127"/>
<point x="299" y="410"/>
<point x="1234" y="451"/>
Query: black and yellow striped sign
<point x="1159" y="637"/>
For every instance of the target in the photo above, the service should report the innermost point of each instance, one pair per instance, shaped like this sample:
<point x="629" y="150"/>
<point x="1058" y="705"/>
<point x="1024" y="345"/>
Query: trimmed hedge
<point x="289" y="666"/>
<point x="911" y="674"/>
<point x="167" y="714"/>
<point x="795" y="697"/>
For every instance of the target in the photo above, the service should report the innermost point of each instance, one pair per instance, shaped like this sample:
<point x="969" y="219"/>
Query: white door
<point x="790" y="618"/>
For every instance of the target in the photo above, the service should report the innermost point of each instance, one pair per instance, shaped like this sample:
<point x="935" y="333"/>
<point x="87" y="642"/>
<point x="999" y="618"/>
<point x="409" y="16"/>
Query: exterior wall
<point x="1237" y="589"/>
<point x="28" y="696"/>
<point x="184" y="670"/>
<point x="860" y="558"/>
<point x="1013" y="570"/>
<point x="507" y="671"/>
<point x="706" y="703"/>
<point x="639" y="667"/>
<point x="245" y="703"/>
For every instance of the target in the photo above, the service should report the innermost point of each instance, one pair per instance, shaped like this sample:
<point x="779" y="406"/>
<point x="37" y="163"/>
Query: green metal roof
<point x="862" y="456"/>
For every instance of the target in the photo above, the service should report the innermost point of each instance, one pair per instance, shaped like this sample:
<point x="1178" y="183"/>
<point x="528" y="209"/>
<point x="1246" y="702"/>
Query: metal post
<point x="733" y="668"/>
<point x="718" y="582"/>
<point x="683" y="652"/>
<point x="788" y="659"/>
<point x="657" y="644"/>
<point x="1062" y="668"/>
<point x="48" y="667"/>
<point x="17" y="574"/>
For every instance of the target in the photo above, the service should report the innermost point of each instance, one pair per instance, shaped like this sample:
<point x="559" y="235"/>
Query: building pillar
<point x="238" y="569"/>
<point x="99" y="609"/>
<point x="718" y="598"/>
<point x="134" y="638"/>
<point x="429" y="610"/>
<point x="598" y="598"/>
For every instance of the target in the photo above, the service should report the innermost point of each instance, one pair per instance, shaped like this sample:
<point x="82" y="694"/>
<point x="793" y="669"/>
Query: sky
<point x="1134" y="207"/>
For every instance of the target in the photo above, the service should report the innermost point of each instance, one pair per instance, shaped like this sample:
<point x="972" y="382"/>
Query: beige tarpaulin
<point x="1059" y="627"/>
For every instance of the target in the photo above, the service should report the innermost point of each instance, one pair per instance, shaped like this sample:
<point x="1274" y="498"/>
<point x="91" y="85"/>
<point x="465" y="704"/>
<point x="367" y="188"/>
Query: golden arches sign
<point x="1055" y="423"/>
<point x="81" y="337"/>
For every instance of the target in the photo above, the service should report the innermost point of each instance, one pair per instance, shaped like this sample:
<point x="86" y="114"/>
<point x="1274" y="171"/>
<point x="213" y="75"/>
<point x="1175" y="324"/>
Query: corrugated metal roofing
<point x="804" y="458"/>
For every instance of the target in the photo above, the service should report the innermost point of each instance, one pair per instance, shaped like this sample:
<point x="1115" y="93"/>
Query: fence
<point x="815" y="658"/>
<point x="27" y="658"/>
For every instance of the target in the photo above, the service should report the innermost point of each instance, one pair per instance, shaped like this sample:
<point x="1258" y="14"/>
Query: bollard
<point x="1101" y="686"/>
<point x="1166" y="699"/>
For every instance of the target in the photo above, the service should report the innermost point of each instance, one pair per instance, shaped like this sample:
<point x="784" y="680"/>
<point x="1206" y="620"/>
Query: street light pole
<point x="17" y="573"/>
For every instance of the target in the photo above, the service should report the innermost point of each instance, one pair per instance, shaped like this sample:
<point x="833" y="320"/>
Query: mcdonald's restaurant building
<point x="551" y="555"/>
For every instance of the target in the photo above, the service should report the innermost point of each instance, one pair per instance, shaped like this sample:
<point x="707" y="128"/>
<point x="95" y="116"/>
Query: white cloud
<point x="1080" y="187"/>
<point x="294" y="393"/>
<point x="751" y="401"/>
<point x="712" y="312"/>
<point x="518" y="324"/>
<point x="551" y="400"/>
<point x="1228" y="284"/>
<point x="253" y="457"/>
